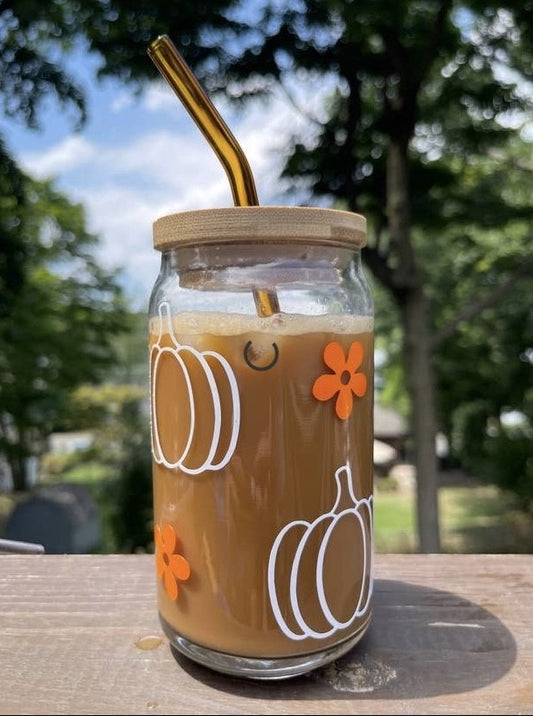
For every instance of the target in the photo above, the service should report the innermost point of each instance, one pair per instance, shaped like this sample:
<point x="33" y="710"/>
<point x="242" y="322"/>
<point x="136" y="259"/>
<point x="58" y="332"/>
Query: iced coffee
<point x="262" y="437"/>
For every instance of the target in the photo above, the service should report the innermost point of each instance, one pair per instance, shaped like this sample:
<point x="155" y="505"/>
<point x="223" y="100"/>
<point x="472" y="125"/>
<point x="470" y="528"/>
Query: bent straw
<point x="179" y="76"/>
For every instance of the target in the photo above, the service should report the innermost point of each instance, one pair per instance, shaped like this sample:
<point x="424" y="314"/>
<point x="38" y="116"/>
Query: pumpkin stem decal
<point x="175" y="364"/>
<point x="357" y="516"/>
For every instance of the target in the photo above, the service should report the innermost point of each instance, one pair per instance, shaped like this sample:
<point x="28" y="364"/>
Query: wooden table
<point x="451" y="634"/>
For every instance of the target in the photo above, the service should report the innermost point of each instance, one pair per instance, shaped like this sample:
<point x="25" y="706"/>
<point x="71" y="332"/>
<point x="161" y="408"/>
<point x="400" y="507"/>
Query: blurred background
<point x="418" y="115"/>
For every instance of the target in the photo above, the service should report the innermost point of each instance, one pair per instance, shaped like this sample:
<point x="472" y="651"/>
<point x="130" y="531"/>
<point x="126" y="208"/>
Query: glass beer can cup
<point x="261" y="391"/>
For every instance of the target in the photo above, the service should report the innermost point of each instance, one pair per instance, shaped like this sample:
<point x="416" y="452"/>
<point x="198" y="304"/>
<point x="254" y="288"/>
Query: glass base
<point x="257" y="668"/>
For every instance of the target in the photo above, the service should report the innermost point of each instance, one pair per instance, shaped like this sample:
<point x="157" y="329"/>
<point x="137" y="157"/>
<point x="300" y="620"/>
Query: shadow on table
<point x="422" y="642"/>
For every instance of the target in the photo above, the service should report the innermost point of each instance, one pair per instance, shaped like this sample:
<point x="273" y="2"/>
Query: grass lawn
<point x="394" y="521"/>
<point x="474" y="518"/>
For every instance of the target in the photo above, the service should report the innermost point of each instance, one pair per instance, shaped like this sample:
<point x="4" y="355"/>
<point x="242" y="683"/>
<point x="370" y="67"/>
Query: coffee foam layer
<point x="290" y="324"/>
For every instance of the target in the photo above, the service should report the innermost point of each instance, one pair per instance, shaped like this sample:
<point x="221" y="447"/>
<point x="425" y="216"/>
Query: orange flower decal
<point x="170" y="567"/>
<point x="345" y="380"/>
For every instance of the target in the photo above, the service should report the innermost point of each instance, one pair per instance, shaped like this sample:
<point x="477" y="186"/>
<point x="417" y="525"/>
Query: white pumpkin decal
<point x="361" y="513"/>
<point x="216" y="371"/>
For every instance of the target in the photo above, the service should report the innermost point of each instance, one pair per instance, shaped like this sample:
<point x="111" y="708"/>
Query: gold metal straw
<point x="179" y="76"/>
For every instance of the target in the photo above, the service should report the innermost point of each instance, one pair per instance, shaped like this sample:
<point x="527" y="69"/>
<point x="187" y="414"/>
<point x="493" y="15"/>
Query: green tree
<point x="132" y="506"/>
<point x="61" y="322"/>
<point x="58" y="308"/>
<point x="13" y="254"/>
<point x="482" y="326"/>
<point x="415" y="84"/>
<point x="114" y="414"/>
<point x="132" y="353"/>
<point x="489" y="276"/>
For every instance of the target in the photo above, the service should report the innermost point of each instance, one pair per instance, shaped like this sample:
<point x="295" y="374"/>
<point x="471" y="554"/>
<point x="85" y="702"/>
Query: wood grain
<point x="290" y="224"/>
<point x="451" y="634"/>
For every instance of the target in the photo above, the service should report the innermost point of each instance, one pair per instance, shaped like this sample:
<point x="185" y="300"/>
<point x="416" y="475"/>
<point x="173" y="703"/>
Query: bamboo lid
<point x="260" y="224"/>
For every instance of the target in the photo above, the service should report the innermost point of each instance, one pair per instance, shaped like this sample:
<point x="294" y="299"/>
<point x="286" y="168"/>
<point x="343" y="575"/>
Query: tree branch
<point x="432" y="47"/>
<point x="288" y="95"/>
<point x="379" y="267"/>
<point x="476" y="307"/>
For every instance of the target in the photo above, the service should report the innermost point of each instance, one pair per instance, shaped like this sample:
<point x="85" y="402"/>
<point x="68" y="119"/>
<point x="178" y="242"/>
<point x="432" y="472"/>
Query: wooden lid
<point x="260" y="224"/>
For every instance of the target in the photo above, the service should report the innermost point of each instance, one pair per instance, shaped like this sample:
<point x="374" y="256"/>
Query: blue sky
<point x="140" y="157"/>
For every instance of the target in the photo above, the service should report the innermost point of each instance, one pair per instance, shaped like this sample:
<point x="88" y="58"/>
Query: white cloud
<point x="71" y="152"/>
<point x="122" y="216"/>
<point x="179" y="162"/>
<point x="158" y="96"/>
<point x="527" y="132"/>
<point x="122" y="101"/>
<point x="148" y="173"/>
<point x="130" y="186"/>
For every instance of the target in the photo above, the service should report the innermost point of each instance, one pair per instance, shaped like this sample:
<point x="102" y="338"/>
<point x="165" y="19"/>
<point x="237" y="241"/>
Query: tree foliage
<point x="118" y="423"/>
<point x="426" y="98"/>
<point x="12" y="256"/>
<point x="423" y="99"/>
<point x="62" y="314"/>
<point x="478" y="282"/>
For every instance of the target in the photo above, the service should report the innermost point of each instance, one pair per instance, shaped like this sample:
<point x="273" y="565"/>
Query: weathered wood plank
<point x="451" y="634"/>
